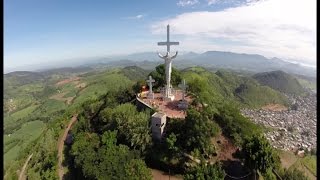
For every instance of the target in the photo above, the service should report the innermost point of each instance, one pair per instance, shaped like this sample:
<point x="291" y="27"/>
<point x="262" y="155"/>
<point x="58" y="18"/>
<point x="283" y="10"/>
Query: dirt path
<point x="22" y="175"/>
<point x="66" y="81"/>
<point x="160" y="175"/>
<point x="61" y="146"/>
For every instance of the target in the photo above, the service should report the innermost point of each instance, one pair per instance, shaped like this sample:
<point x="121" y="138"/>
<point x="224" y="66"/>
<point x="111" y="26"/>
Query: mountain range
<point x="229" y="60"/>
<point x="211" y="59"/>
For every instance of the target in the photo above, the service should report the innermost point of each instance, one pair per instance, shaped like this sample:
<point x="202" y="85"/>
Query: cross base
<point x="150" y="96"/>
<point x="169" y="98"/>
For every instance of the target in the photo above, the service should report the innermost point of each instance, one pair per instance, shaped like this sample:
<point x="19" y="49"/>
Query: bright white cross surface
<point x="168" y="63"/>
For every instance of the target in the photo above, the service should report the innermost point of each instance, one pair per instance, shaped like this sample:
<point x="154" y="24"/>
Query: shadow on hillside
<point x="236" y="167"/>
<point x="72" y="172"/>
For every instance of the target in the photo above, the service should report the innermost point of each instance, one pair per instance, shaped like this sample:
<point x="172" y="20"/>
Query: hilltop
<point x="235" y="87"/>
<point x="280" y="81"/>
<point x="37" y="112"/>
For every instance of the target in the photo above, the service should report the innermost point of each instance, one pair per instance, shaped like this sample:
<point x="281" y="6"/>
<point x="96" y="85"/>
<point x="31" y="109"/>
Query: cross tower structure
<point x="168" y="63"/>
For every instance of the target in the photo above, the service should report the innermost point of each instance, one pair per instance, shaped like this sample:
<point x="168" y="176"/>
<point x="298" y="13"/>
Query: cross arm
<point x="167" y="43"/>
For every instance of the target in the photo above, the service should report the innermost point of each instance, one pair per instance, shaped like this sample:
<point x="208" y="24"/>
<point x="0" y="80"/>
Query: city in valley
<point x="292" y="128"/>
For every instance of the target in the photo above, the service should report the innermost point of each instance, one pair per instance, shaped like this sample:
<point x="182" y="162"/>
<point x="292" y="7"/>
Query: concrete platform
<point x="170" y="108"/>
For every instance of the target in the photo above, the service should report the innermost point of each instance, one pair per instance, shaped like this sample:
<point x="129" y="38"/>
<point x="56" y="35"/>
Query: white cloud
<point x="187" y="2"/>
<point x="210" y="2"/>
<point x="139" y="16"/>
<point x="282" y="28"/>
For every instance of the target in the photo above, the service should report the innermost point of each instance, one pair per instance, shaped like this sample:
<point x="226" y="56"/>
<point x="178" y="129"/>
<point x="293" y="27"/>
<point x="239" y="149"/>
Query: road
<point x="61" y="146"/>
<point x="22" y="176"/>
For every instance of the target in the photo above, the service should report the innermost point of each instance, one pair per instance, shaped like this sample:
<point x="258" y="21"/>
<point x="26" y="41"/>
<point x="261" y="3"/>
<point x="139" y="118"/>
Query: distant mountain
<point x="229" y="60"/>
<point x="66" y="70"/>
<point x="211" y="59"/>
<point x="19" y="78"/>
<point x="280" y="81"/>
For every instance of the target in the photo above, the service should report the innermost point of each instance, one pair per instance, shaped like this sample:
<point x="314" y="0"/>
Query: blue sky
<point x="46" y="31"/>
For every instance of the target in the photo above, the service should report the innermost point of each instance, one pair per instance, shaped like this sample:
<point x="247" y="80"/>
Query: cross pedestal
<point x="183" y="104"/>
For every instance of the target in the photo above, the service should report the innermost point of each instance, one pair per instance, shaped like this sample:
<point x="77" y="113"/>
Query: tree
<point x="136" y="169"/>
<point x="259" y="154"/>
<point x="205" y="171"/>
<point x="139" y="133"/>
<point x="159" y="76"/>
<point x="137" y="87"/>
<point x="199" y="130"/>
<point x="102" y="158"/>
<point x="171" y="144"/>
<point x="84" y="152"/>
<point x="133" y="126"/>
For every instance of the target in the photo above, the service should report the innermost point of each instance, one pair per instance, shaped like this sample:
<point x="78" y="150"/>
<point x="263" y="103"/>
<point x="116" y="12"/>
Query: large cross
<point x="183" y="86"/>
<point x="168" y="43"/>
<point x="150" y="81"/>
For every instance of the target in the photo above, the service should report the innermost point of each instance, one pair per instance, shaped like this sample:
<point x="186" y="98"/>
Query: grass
<point x="33" y="87"/>
<point x="20" y="114"/>
<point x="307" y="84"/>
<point x="300" y="166"/>
<point x="287" y="158"/>
<point x="307" y="164"/>
<point x="22" y="100"/>
<point x="19" y="139"/>
<point x="19" y="117"/>
<point x="69" y="87"/>
<point x="102" y="84"/>
<point x="311" y="163"/>
<point x="52" y="105"/>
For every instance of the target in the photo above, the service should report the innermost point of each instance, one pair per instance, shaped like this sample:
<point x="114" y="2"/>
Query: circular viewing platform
<point x="172" y="109"/>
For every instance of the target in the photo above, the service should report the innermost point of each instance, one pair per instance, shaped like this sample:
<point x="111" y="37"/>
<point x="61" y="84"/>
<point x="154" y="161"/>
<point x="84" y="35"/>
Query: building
<point x="158" y="122"/>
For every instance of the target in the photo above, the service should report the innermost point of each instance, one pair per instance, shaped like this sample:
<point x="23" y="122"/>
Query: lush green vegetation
<point x="310" y="161"/>
<point x="229" y="86"/>
<point x="280" y="81"/>
<point x="293" y="174"/>
<point x="205" y="171"/>
<point x="259" y="154"/>
<point x="307" y="83"/>
<point x="112" y="139"/>
<point x="160" y="77"/>
<point x="18" y="140"/>
<point x="113" y="161"/>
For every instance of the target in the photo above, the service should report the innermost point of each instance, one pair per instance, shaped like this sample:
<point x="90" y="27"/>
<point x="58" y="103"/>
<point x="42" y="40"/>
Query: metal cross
<point x="150" y="81"/>
<point x="168" y="43"/>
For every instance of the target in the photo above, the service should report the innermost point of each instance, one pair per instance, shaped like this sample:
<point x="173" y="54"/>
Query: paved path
<point x="22" y="176"/>
<point x="61" y="146"/>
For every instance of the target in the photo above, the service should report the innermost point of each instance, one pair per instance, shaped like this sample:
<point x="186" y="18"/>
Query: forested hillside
<point x="231" y="86"/>
<point x="280" y="81"/>
<point x="112" y="138"/>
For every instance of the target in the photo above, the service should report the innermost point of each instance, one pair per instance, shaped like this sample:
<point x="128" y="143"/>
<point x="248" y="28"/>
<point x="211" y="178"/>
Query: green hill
<point x="135" y="72"/>
<point x="234" y="87"/>
<point x="31" y="97"/>
<point x="280" y="81"/>
<point x="41" y="113"/>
